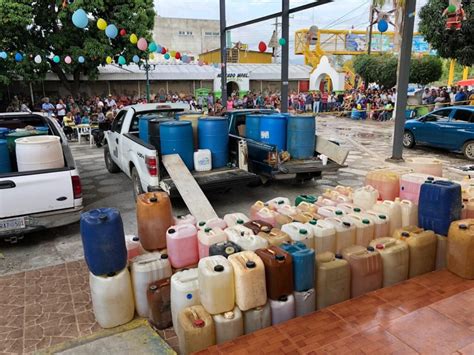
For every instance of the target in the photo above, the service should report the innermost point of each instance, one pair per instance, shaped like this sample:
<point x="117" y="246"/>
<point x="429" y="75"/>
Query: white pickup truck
<point x="40" y="199"/>
<point x="141" y="161"/>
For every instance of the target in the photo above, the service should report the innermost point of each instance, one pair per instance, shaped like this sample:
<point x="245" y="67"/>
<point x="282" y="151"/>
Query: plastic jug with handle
<point x="395" y="259"/>
<point x="299" y="232"/>
<point x="285" y="215"/>
<point x="331" y="211"/>
<point x="331" y="194"/>
<point x="224" y="248"/>
<point x="257" y="318"/>
<point x="303" y="265"/>
<point x="159" y="303"/>
<point x="308" y="208"/>
<point x="184" y="292"/>
<point x="133" y="245"/>
<point x="348" y="207"/>
<point x="275" y="237"/>
<point x="409" y="213"/>
<point x="212" y="223"/>
<point x="430" y="166"/>
<point x="343" y="199"/>
<point x="145" y="269"/>
<point x="182" y="245"/>
<point x="216" y="284"/>
<point x="305" y="198"/>
<point x="387" y="183"/>
<point x="277" y="202"/>
<point x="185" y="219"/>
<point x="460" y="248"/>
<point x="365" y="197"/>
<point x="282" y="309"/>
<point x="196" y="330"/>
<point x="249" y="276"/>
<point x="257" y="206"/>
<point x="365" y="229"/>
<point x="441" y="251"/>
<point x="257" y="226"/>
<point x="229" y="325"/>
<point x="207" y="237"/>
<point x="303" y="217"/>
<point x="381" y="223"/>
<point x="333" y="279"/>
<point x="278" y="271"/>
<point x="422" y="247"/>
<point x="305" y="302"/>
<point x="393" y="210"/>
<point x="266" y="215"/>
<point x="323" y="201"/>
<point x="232" y="219"/>
<point x="345" y="232"/>
<point x="324" y="236"/>
<point x="366" y="269"/>
<point x="245" y="239"/>
<point x="410" y="185"/>
<point x="344" y="190"/>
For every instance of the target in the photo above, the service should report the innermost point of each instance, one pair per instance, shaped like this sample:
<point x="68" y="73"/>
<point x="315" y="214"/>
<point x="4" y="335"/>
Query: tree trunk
<point x="397" y="35"/>
<point x="71" y="86"/>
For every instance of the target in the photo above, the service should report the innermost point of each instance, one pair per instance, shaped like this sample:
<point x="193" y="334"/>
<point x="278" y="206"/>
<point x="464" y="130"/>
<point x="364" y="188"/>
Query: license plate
<point x="12" y="224"/>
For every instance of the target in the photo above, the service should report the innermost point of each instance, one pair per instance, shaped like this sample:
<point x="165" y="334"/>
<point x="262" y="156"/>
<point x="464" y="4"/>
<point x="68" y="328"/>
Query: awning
<point x="468" y="82"/>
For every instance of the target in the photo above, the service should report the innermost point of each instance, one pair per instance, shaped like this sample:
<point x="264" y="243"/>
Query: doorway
<point x="232" y="88"/>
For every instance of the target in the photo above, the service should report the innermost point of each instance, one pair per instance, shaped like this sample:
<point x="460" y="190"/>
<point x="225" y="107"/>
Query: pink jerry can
<point x="182" y="245"/>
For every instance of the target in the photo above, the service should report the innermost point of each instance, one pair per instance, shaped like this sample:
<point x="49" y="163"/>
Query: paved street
<point x="369" y="142"/>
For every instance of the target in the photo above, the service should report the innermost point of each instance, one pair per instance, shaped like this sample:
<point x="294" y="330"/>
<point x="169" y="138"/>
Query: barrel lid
<point x="303" y="231"/>
<point x="313" y="222"/>
<point x="382" y="216"/>
<point x="338" y="213"/>
<point x="357" y="209"/>
<point x="365" y="221"/>
<point x="153" y="199"/>
<point x="218" y="268"/>
<point x="380" y="246"/>
<point x="280" y="257"/>
<point x="283" y="299"/>
<point x="229" y="315"/>
<point x="463" y="226"/>
<point x="176" y="123"/>
<point x="229" y="250"/>
<point x="135" y="239"/>
<point x="405" y="234"/>
<point x="103" y="217"/>
<point x="346" y="224"/>
<point x="153" y="287"/>
<point x="250" y="264"/>
<point x="338" y="256"/>
<point x="171" y="230"/>
<point x="199" y="323"/>
<point x="370" y="249"/>
<point x="207" y="229"/>
<point x="164" y="256"/>
<point x="240" y="221"/>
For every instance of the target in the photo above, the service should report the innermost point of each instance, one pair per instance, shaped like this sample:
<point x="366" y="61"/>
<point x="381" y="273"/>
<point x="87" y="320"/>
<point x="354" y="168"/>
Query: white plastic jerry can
<point x="409" y="213"/>
<point x="257" y="318"/>
<point x="283" y="309"/>
<point x="184" y="291"/>
<point x="232" y="219"/>
<point x="203" y="160"/>
<point x="365" y="197"/>
<point x="324" y="237"/>
<point x="229" y="325"/>
<point x="305" y="302"/>
<point x="299" y="232"/>
<point x="277" y="202"/>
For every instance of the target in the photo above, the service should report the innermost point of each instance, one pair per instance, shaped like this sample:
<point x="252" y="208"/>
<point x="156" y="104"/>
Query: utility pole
<point x="285" y="34"/>
<point x="371" y="19"/>
<point x="223" y="52"/>
<point x="147" y="68"/>
<point x="276" y="49"/>
<point x="403" y="72"/>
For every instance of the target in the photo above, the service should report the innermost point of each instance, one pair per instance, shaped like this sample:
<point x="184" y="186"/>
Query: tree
<point x="44" y="27"/>
<point x="425" y="70"/>
<point x="450" y="44"/>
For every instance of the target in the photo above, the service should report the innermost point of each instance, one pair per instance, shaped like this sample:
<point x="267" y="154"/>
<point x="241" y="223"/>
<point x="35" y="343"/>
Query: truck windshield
<point x="150" y="115"/>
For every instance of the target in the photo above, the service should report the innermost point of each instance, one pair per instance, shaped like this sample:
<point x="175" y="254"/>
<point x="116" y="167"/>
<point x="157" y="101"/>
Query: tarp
<point x="468" y="82"/>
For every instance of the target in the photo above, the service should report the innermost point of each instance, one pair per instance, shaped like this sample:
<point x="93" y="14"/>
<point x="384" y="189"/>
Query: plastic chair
<point x="83" y="131"/>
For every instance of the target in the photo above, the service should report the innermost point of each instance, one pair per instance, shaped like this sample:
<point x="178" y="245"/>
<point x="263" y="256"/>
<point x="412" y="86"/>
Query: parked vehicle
<point x="450" y="128"/>
<point x="39" y="199"/>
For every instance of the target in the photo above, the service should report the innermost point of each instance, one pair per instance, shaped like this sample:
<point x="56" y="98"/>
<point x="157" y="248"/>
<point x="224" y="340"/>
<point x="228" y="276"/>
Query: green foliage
<point x="455" y="44"/>
<point x="44" y="27"/>
<point x="382" y="69"/>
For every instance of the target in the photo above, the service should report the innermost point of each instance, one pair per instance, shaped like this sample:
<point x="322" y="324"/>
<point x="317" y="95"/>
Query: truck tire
<point x="137" y="185"/>
<point x="109" y="163"/>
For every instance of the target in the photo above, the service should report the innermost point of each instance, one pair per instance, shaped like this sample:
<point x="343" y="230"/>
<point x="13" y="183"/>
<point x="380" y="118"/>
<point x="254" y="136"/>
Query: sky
<point x="340" y="14"/>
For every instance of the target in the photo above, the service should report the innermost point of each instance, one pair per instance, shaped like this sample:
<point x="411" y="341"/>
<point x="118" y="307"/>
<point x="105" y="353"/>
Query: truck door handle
<point x="7" y="184"/>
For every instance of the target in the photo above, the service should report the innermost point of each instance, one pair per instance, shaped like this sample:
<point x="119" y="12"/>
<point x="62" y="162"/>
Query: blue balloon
<point x="184" y="58"/>
<point x="158" y="48"/>
<point x="79" y="18"/>
<point x="81" y="59"/>
<point x="382" y="26"/>
<point x="111" y="31"/>
<point x="18" y="57"/>
<point x="136" y="58"/>
<point x="152" y="47"/>
<point x="3" y="55"/>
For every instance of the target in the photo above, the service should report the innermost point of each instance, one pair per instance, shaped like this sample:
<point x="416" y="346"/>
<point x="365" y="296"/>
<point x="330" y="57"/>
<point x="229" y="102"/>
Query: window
<point x="463" y="115"/>
<point x="118" y="121"/>
<point x="185" y="33"/>
<point x="211" y="34"/>
<point x="438" y="116"/>
<point x="150" y="115"/>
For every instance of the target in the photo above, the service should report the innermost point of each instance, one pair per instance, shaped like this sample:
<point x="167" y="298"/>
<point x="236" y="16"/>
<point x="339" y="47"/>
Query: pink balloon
<point x="142" y="44"/>
<point x="67" y="60"/>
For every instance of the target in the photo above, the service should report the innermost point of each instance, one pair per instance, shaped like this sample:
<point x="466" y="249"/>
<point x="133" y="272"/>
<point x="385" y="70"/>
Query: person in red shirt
<point x="324" y="101"/>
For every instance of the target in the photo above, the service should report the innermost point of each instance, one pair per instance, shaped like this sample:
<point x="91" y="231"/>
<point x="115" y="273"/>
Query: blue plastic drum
<point x="252" y="127"/>
<point x="301" y="137"/>
<point x="214" y="135"/>
<point x="176" y="137"/>
<point x="5" y="164"/>
<point x="273" y="130"/>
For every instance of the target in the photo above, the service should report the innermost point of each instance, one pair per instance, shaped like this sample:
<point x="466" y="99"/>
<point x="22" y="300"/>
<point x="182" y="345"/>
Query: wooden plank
<point x="197" y="203"/>
<point x="333" y="151"/>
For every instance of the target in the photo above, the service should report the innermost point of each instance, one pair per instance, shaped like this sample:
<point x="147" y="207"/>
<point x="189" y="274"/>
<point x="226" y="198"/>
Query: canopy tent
<point x="468" y="82"/>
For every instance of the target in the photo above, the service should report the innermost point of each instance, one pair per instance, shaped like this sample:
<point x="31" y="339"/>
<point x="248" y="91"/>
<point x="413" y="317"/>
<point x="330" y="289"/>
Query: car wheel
<point x="137" y="184"/>
<point x="408" y="139"/>
<point x="109" y="163"/>
<point x="468" y="150"/>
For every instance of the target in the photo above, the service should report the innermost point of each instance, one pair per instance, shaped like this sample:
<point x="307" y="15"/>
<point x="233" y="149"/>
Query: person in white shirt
<point x="110" y="102"/>
<point x="60" y="110"/>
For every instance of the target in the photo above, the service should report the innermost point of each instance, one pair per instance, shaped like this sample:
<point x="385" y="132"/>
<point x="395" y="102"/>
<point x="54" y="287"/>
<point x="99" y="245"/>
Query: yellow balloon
<point x="152" y="56"/>
<point x="173" y="54"/>
<point x="133" y="38"/>
<point x="101" y="24"/>
<point x="108" y="60"/>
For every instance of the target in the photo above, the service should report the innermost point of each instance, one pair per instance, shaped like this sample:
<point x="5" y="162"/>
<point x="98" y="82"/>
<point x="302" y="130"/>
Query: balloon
<point x="122" y="61"/>
<point x="142" y="44"/>
<point x="382" y="26"/>
<point x="451" y="9"/>
<point x="167" y="56"/>
<point x="200" y="63"/>
<point x="101" y="24"/>
<point x="151" y="56"/>
<point x="38" y="59"/>
<point x="81" y="59"/>
<point x="282" y="41"/>
<point x="163" y="50"/>
<point x="152" y="47"/>
<point x="173" y="54"/>
<point x="79" y="18"/>
<point x="177" y="55"/>
<point x="262" y="46"/>
<point x="111" y="31"/>
<point x="108" y="60"/>
<point x="184" y="58"/>
<point x="68" y="60"/>
<point x="158" y="48"/>
<point x="56" y="59"/>
<point x="18" y="57"/>
<point x="3" y="55"/>
<point x="133" y="38"/>
<point x="136" y="58"/>
<point x="123" y="32"/>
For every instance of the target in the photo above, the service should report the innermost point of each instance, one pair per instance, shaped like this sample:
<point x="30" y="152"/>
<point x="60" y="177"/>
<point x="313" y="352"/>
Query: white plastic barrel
<point x="39" y="153"/>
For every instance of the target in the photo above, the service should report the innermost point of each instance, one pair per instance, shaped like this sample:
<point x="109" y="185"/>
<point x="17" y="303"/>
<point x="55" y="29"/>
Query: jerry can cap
<point x="111" y="274"/>
<point x="153" y="287"/>
<point x="365" y="221"/>
<point x="153" y="199"/>
<point x="207" y="229"/>
<point x="266" y="229"/>
<point x="218" y="268"/>
<point x="242" y="233"/>
<point x="280" y="257"/>
<point x="428" y="181"/>
<point x="283" y="299"/>
<point x="135" y="239"/>
<point x="303" y="231"/>
<point x="250" y="264"/>
<point x="313" y="222"/>
<point x="430" y="178"/>
<point x="229" y="250"/>
<point x="357" y="209"/>
<point x="199" y="323"/>
<point x="463" y="226"/>
<point x="239" y="221"/>
<point x="229" y="315"/>
<point x="164" y="256"/>
<point x="202" y="223"/>
<point x="405" y="234"/>
<point x="103" y="217"/>
<point x="281" y="202"/>
<point x="171" y="230"/>
<point x="370" y="249"/>
<point x="338" y="256"/>
<point x="380" y="246"/>
<point x="346" y="224"/>
<point x="338" y="213"/>
<point x="382" y="216"/>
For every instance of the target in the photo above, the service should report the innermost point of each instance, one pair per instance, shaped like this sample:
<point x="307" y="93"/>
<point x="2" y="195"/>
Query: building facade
<point x="187" y="36"/>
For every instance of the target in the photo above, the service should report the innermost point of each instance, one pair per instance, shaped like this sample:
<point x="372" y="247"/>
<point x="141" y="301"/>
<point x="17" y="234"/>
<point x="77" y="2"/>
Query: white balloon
<point x="38" y="59"/>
